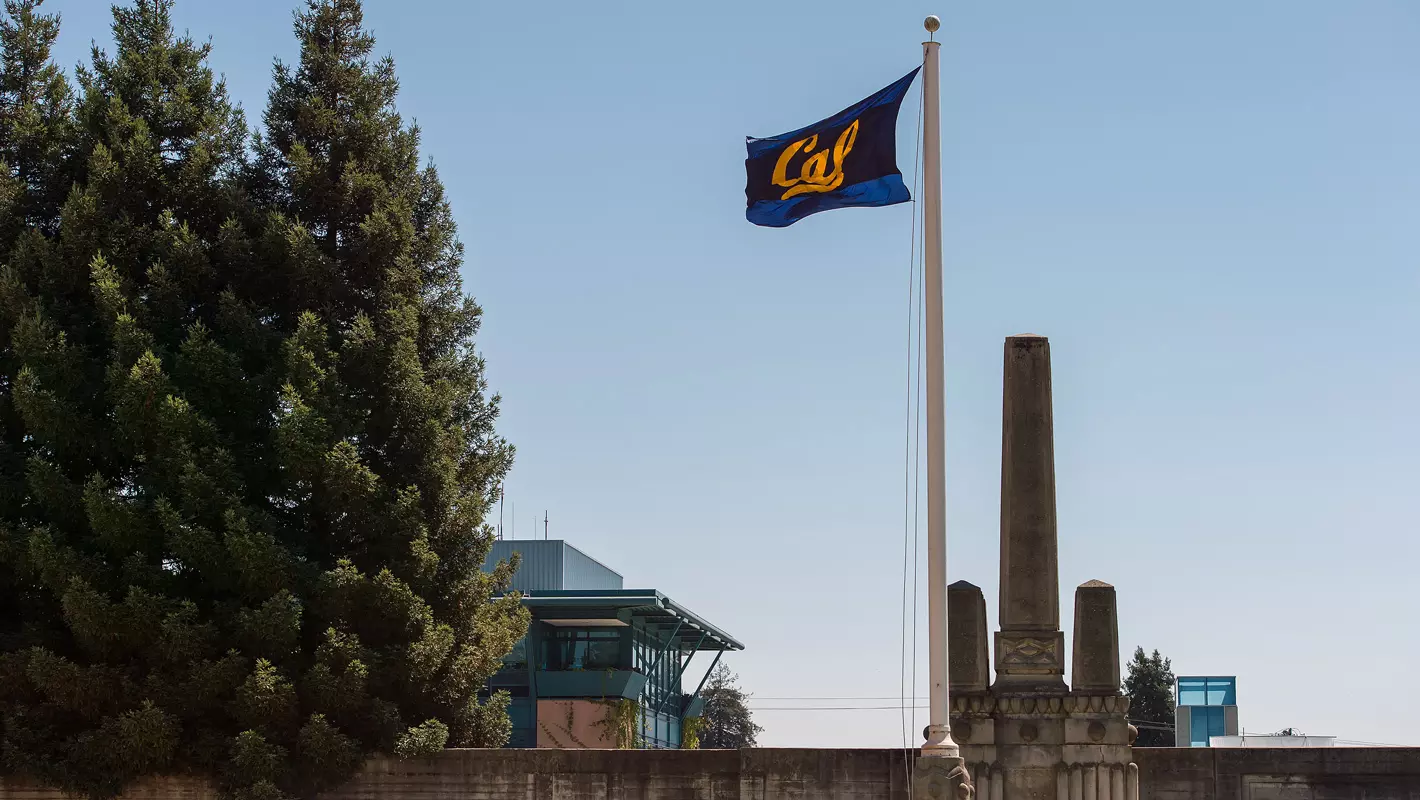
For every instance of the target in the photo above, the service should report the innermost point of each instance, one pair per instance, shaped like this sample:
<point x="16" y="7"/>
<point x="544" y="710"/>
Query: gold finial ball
<point x="932" y="23"/>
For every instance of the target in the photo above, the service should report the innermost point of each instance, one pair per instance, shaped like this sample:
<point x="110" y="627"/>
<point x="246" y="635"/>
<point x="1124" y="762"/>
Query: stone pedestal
<point x="1029" y="736"/>
<point x="940" y="778"/>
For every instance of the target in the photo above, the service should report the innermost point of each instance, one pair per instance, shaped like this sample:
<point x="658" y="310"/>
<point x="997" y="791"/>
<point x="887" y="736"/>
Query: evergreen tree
<point x="250" y="446"/>
<point x="728" y="724"/>
<point x="1150" y="685"/>
<point x="36" y="128"/>
<point x="385" y="409"/>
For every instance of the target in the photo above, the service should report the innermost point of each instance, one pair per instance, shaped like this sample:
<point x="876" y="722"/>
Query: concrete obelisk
<point x="1030" y="647"/>
<point x="1029" y="737"/>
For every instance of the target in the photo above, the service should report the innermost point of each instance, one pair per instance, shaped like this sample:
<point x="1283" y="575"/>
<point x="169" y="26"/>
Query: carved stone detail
<point x="1096" y="731"/>
<point x="940" y="778"/>
<point x="1028" y="661"/>
<point x="973" y="705"/>
<point x="979" y="706"/>
<point x="961" y="729"/>
<point x="1096" y="704"/>
<point x="962" y="781"/>
<point x="1029" y="651"/>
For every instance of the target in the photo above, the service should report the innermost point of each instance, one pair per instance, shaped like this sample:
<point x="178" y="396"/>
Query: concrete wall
<point x="1320" y="773"/>
<point x="1164" y="774"/>
<point x="760" y="774"/>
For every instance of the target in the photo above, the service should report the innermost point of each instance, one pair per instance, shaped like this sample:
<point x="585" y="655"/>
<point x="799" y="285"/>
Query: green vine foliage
<point x="690" y="733"/>
<point x="623" y="723"/>
<point x="570" y="722"/>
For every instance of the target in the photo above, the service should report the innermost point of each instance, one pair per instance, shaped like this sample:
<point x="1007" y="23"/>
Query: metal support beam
<point x="652" y="671"/>
<point x="706" y="677"/>
<point x="681" y="670"/>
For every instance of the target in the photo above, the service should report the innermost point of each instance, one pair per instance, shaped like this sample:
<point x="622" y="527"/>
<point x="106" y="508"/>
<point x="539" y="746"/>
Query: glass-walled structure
<point x="1206" y="706"/>
<point x="601" y="666"/>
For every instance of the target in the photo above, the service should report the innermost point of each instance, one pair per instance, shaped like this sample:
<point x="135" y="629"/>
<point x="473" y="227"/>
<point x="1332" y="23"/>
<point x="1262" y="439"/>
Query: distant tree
<point x="728" y="723"/>
<point x="1150" y="688"/>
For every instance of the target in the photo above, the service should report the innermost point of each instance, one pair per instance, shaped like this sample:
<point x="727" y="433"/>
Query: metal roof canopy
<point x="646" y="604"/>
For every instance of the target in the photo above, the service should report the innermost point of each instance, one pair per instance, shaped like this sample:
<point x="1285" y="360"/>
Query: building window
<point x="661" y="661"/>
<point x="1222" y="692"/>
<point x="1193" y="691"/>
<point x="589" y="648"/>
<point x="1207" y="691"/>
<point x="518" y="657"/>
<point x="1207" y="721"/>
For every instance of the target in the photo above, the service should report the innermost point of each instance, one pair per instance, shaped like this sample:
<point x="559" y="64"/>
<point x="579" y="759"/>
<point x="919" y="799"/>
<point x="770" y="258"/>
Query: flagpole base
<point x="938" y="742"/>
<point x="940" y="777"/>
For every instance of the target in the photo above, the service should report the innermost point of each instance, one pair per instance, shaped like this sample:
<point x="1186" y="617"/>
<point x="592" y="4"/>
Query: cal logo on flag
<point x="849" y="159"/>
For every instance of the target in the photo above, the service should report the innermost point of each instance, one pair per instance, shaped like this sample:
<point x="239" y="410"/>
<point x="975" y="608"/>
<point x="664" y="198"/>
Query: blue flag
<point x="849" y="159"/>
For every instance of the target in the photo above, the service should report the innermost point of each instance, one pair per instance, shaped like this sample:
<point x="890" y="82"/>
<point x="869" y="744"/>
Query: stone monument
<point x="1027" y="735"/>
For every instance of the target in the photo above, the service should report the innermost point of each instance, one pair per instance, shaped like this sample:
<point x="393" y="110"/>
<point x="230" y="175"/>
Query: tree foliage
<point x="246" y="443"/>
<point x="1149" y="685"/>
<point x="727" y="721"/>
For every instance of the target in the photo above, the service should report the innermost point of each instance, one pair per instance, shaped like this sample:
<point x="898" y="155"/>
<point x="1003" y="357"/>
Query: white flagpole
<point x="939" y="730"/>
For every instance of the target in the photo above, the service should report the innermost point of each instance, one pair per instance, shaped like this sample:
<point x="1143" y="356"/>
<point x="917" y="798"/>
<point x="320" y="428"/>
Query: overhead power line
<point x="839" y="697"/>
<point x="836" y="708"/>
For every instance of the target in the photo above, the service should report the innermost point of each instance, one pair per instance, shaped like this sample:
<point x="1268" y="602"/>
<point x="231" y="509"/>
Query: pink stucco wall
<point x="574" y="725"/>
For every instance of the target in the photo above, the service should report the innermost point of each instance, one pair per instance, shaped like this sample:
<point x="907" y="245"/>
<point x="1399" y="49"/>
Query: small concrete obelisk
<point x="970" y="668"/>
<point x="1030" y="647"/>
<point x="1095" y="668"/>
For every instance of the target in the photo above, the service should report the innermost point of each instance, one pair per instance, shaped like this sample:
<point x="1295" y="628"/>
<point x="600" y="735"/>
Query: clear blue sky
<point x="1212" y="209"/>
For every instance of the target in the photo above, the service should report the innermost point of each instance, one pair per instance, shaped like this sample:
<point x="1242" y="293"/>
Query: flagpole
<point x="939" y="730"/>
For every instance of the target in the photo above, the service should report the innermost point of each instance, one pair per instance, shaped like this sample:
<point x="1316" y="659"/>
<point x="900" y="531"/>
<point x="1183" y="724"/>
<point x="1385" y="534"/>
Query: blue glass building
<point x="1206" y="706"/>
<point x="598" y="657"/>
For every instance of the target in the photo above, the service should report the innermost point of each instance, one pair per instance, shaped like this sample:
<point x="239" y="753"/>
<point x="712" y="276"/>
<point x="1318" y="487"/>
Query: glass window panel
<point x="603" y="654"/>
<point x="1193" y="691"/>
<point x="582" y="649"/>
<point x="1222" y="692"/>
<point x="518" y="657"/>
<point x="1215" y="722"/>
<point x="1198" y="727"/>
